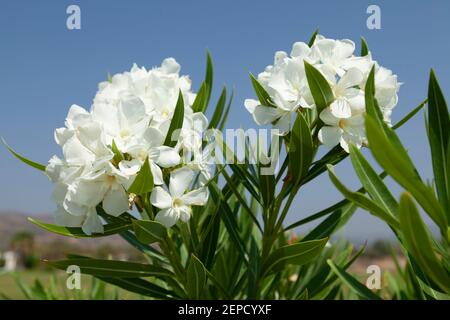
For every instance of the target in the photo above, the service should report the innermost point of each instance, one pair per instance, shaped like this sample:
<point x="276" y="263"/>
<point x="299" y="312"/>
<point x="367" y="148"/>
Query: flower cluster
<point x="130" y="117"/>
<point x="286" y="83"/>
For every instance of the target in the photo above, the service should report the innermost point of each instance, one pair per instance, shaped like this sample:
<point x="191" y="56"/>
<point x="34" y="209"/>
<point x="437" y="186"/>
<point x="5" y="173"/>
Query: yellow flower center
<point x="125" y="133"/>
<point x="177" y="203"/>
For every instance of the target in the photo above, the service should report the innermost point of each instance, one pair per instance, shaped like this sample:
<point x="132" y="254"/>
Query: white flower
<point x="176" y="204"/>
<point x="132" y="112"/>
<point x="342" y="130"/>
<point x="125" y="123"/>
<point x="105" y="184"/>
<point x="333" y="53"/>
<point x="288" y="88"/>
<point x="201" y="163"/>
<point x="158" y="155"/>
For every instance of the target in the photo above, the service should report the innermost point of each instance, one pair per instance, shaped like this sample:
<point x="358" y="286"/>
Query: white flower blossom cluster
<point x="130" y="113"/>
<point x="286" y="83"/>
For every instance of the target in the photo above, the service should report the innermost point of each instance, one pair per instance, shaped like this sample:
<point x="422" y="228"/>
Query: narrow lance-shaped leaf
<point x="297" y="254"/>
<point x="196" y="278"/>
<point x="109" y="229"/>
<point x="364" y="47"/>
<point x="118" y="156"/>
<point x="332" y="223"/>
<point x="360" y="289"/>
<point x="261" y="93"/>
<point x="438" y="134"/>
<point x="361" y="201"/>
<point x="371" y="182"/>
<point x="313" y="38"/>
<point x="149" y="231"/>
<point x="319" y="86"/>
<point x="392" y="156"/>
<point x="176" y="123"/>
<point x="140" y="286"/>
<point x="208" y="79"/>
<point x="23" y="159"/>
<point x="143" y="183"/>
<point x="218" y="111"/>
<point x="395" y="165"/>
<point x="373" y="111"/>
<point x="419" y="243"/>
<point x="300" y="149"/>
<point x="110" y="268"/>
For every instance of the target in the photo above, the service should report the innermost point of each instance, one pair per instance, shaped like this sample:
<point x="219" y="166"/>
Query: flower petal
<point x="167" y="217"/>
<point x="180" y="180"/>
<point x="330" y="136"/>
<point x="197" y="197"/>
<point x="156" y="173"/>
<point x="185" y="213"/>
<point x="340" y="108"/>
<point x="328" y="118"/>
<point x="116" y="201"/>
<point x="92" y="224"/>
<point x="251" y="104"/>
<point x="160" y="198"/>
<point x="63" y="218"/>
<point x="167" y="157"/>
<point x="264" y="115"/>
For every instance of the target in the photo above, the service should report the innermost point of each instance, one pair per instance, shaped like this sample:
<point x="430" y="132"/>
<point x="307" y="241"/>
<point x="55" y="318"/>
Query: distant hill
<point x="13" y="222"/>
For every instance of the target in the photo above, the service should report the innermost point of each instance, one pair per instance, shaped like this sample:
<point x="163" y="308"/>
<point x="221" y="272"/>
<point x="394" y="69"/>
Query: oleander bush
<point x="147" y="164"/>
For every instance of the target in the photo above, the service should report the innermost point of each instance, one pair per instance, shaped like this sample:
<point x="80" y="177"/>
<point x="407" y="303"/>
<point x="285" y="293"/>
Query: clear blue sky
<point x="45" y="68"/>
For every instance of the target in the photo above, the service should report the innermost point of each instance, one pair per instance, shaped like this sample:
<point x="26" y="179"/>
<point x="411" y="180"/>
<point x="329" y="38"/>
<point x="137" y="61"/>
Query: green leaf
<point x="196" y="278"/>
<point x="112" y="269"/>
<point x="319" y="86"/>
<point x="354" y="284"/>
<point x="410" y="114"/>
<point x="392" y="161"/>
<point x="361" y="201"/>
<point x="373" y="111"/>
<point x="300" y="149"/>
<point x="364" y="47"/>
<point x="118" y="156"/>
<point x="208" y="79"/>
<point x="140" y="286"/>
<point x="418" y="241"/>
<point x="261" y="93"/>
<point x="176" y="123"/>
<point x="371" y="182"/>
<point x="253" y="270"/>
<point x="297" y="254"/>
<point x="229" y="220"/>
<point x="23" y="159"/>
<point x="143" y="183"/>
<point x="438" y="134"/>
<point x="313" y="38"/>
<point x="109" y="229"/>
<point x="227" y="111"/>
<point x="331" y="224"/>
<point x="392" y="156"/>
<point x="218" y="111"/>
<point x="149" y="231"/>
<point x="200" y="99"/>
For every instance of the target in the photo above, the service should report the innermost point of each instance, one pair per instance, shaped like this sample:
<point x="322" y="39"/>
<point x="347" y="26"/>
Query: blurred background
<point x="45" y="67"/>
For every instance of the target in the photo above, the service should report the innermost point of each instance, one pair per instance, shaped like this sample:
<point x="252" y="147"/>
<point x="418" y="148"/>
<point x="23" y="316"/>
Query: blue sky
<point x="45" y="68"/>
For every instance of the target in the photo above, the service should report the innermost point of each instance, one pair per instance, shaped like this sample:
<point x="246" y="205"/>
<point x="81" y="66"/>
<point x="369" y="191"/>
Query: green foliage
<point x="426" y="275"/>
<point x="238" y="245"/>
